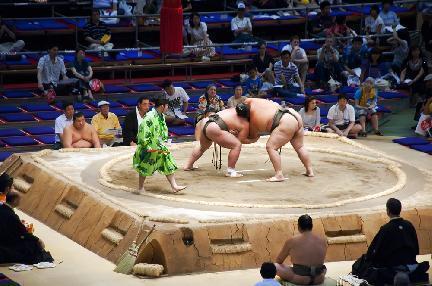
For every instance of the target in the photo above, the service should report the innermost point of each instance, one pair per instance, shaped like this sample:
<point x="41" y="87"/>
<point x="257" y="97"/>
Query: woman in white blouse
<point x="197" y="33"/>
<point x="310" y="114"/>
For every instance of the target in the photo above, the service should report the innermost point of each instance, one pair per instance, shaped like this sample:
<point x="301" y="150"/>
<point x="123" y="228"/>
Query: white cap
<point x="428" y="77"/>
<point x="103" y="102"/>
<point x="241" y="5"/>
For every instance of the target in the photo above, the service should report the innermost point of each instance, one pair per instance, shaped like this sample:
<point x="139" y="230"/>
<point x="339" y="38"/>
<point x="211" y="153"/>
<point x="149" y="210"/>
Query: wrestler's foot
<point x="190" y="168"/>
<point x="138" y="191"/>
<point x="277" y="178"/>
<point x="309" y="173"/>
<point x="177" y="189"/>
<point x="233" y="175"/>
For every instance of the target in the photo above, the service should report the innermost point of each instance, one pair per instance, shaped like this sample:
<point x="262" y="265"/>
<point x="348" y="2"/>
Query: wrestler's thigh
<point x="279" y="137"/>
<point x="284" y="272"/>
<point x="204" y="142"/>
<point x="297" y="140"/>
<point x="226" y="140"/>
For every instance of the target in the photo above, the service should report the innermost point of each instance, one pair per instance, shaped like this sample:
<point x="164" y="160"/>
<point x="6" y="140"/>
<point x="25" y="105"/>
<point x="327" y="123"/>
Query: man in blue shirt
<point x="353" y="57"/>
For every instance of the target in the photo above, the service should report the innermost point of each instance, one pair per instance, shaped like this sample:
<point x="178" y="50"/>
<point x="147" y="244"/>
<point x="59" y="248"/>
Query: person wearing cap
<point x="17" y="245"/>
<point x="80" y="134"/>
<point x="241" y="26"/>
<point x="62" y="122"/>
<point x="104" y="122"/>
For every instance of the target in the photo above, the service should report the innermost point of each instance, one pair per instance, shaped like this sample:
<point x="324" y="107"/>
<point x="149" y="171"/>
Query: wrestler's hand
<point x="234" y="132"/>
<point x="345" y="133"/>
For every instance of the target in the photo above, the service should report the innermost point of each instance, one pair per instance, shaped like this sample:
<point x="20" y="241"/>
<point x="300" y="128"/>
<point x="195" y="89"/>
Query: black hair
<point x="305" y="222"/>
<point x="77" y="115"/>
<point x="251" y="67"/>
<point x="358" y="39"/>
<point x="242" y="110"/>
<point x="206" y="93"/>
<point x="376" y="8"/>
<point x="12" y="197"/>
<point x="166" y="83"/>
<point x="285" y="52"/>
<point x="66" y="104"/>
<point x="342" y="96"/>
<point x="340" y="19"/>
<point x="262" y="43"/>
<point x="141" y="98"/>
<point x="293" y="37"/>
<point x="394" y="206"/>
<point x="191" y="22"/>
<point x="411" y="49"/>
<point x="387" y="2"/>
<point x="160" y="101"/>
<point x="308" y="99"/>
<point x="375" y="51"/>
<point x="52" y="46"/>
<point x="268" y="270"/>
<point x="324" y="4"/>
<point x="6" y="181"/>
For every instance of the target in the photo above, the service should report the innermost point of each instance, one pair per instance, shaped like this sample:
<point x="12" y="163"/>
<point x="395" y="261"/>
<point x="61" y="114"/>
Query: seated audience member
<point x="133" y="120"/>
<point x="210" y="99"/>
<point x="413" y="71"/>
<point x="424" y="110"/>
<point x="241" y="26"/>
<point x="322" y="21"/>
<point x="253" y="83"/>
<point x="339" y="28"/>
<point x="104" y="123"/>
<point x="286" y="75"/>
<point x="298" y="56"/>
<point x="268" y="273"/>
<point x="49" y="69"/>
<point x="177" y="101"/>
<point x="426" y="29"/>
<point x="394" y="248"/>
<point x="197" y="32"/>
<point x="307" y="252"/>
<point x="237" y="98"/>
<point x="311" y="114"/>
<point x="97" y="34"/>
<point x="8" y="41"/>
<point x="373" y="23"/>
<point x="341" y="118"/>
<point x="373" y="67"/>
<point x="80" y="134"/>
<point x="352" y="58"/>
<point x="268" y="84"/>
<point x="328" y="62"/>
<point x="399" y="50"/>
<point x="17" y="245"/>
<point x="84" y="73"/>
<point x="262" y="60"/>
<point x="366" y="101"/>
<point x="62" y="122"/>
<point x="389" y="17"/>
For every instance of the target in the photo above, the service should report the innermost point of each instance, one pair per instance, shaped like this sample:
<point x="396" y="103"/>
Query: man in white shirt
<point x="241" y="26"/>
<point x="62" y="122"/>
<point x="177" y="102"/>
<point x="341" y="118"/>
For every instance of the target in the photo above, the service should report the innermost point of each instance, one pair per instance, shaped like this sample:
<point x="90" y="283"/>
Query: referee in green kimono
<point x="151" y="154"/>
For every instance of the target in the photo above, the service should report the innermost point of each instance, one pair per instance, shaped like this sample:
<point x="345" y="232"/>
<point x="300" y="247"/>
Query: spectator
<point x="133" y="120"/>
<point x="339" y="28"/>
<point x="311" y="114"/>
<point x="426" y="29"/>
<point x="17" y="245"/>
<point x="84" y="73"/>
<point x="241" y="26"/>
<point x="106" y="124"/>
<point x="373" y="23"/>
<point x="413" y="71"/>
<point x="307" y="252"/>
<point x="197" y="32"/>
<point x="62" y="122"/>
<point x="210" y="99"/>
<point x="268" y="84"/>
<point x="366" y="101"/>
<point x="97" y="34"/>
<point x="394" y="247"/>
<point x="389" y="17"/>
<point x="328" y="62"/>
<point x="8" y="41"/>
<point x="352" y="58"/>
<point x="268" y="273"/>
<point x="399" y="50"/>
<point x="286" y="74"/>
<point x="177" y="102"/>
<point x="49" y="69"/>
<point x="323" y="20"/>
<point x="263" y="61"/>
<point x="80" y="134"/>
<point x="237" y="98"/>
<point x="341" y="118"/>
<point x="253" y="83"/>
<point x="299" y="57"/>
<point x="373" y="67"/>
<point x="424" y="110"/>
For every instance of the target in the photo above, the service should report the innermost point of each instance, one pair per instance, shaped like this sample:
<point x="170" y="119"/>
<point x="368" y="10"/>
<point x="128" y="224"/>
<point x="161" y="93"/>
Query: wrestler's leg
<point x="229" y="141"/>
<point x="82" y="144"/>
<point x="141" y="180"/>
<point x="302" y="153"/>
<point x="284" y="272"/>
<point x="278" y="138"/>
<point x="176" y="188"/>
<point x="197" y="152"/>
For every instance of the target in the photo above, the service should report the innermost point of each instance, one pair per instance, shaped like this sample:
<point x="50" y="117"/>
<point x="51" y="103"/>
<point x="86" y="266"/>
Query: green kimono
<point x="152" y="133"/>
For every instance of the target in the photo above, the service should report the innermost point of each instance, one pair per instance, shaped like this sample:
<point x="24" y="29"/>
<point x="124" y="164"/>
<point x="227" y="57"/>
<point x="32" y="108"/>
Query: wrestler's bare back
<point x="237" y="126"/>
<point x="307" y="249"/>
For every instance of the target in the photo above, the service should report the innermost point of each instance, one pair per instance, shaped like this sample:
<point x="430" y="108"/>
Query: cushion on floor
<point x="4" y="155"/>
<point x="182" y="130"/>
<point x="39" y="130"/>
<point x="19" y="141"/>
<point x="408" y="141"/>
<point x="11" y="132"/>
<point x="108" y="88"/>
<point x="423" y="148"/>
<point x="144" y="87"/>
<point x="17" y="117"/>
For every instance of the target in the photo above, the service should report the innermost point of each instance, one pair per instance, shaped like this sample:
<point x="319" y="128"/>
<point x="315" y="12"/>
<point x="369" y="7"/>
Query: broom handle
<point x="145" y="238"/>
